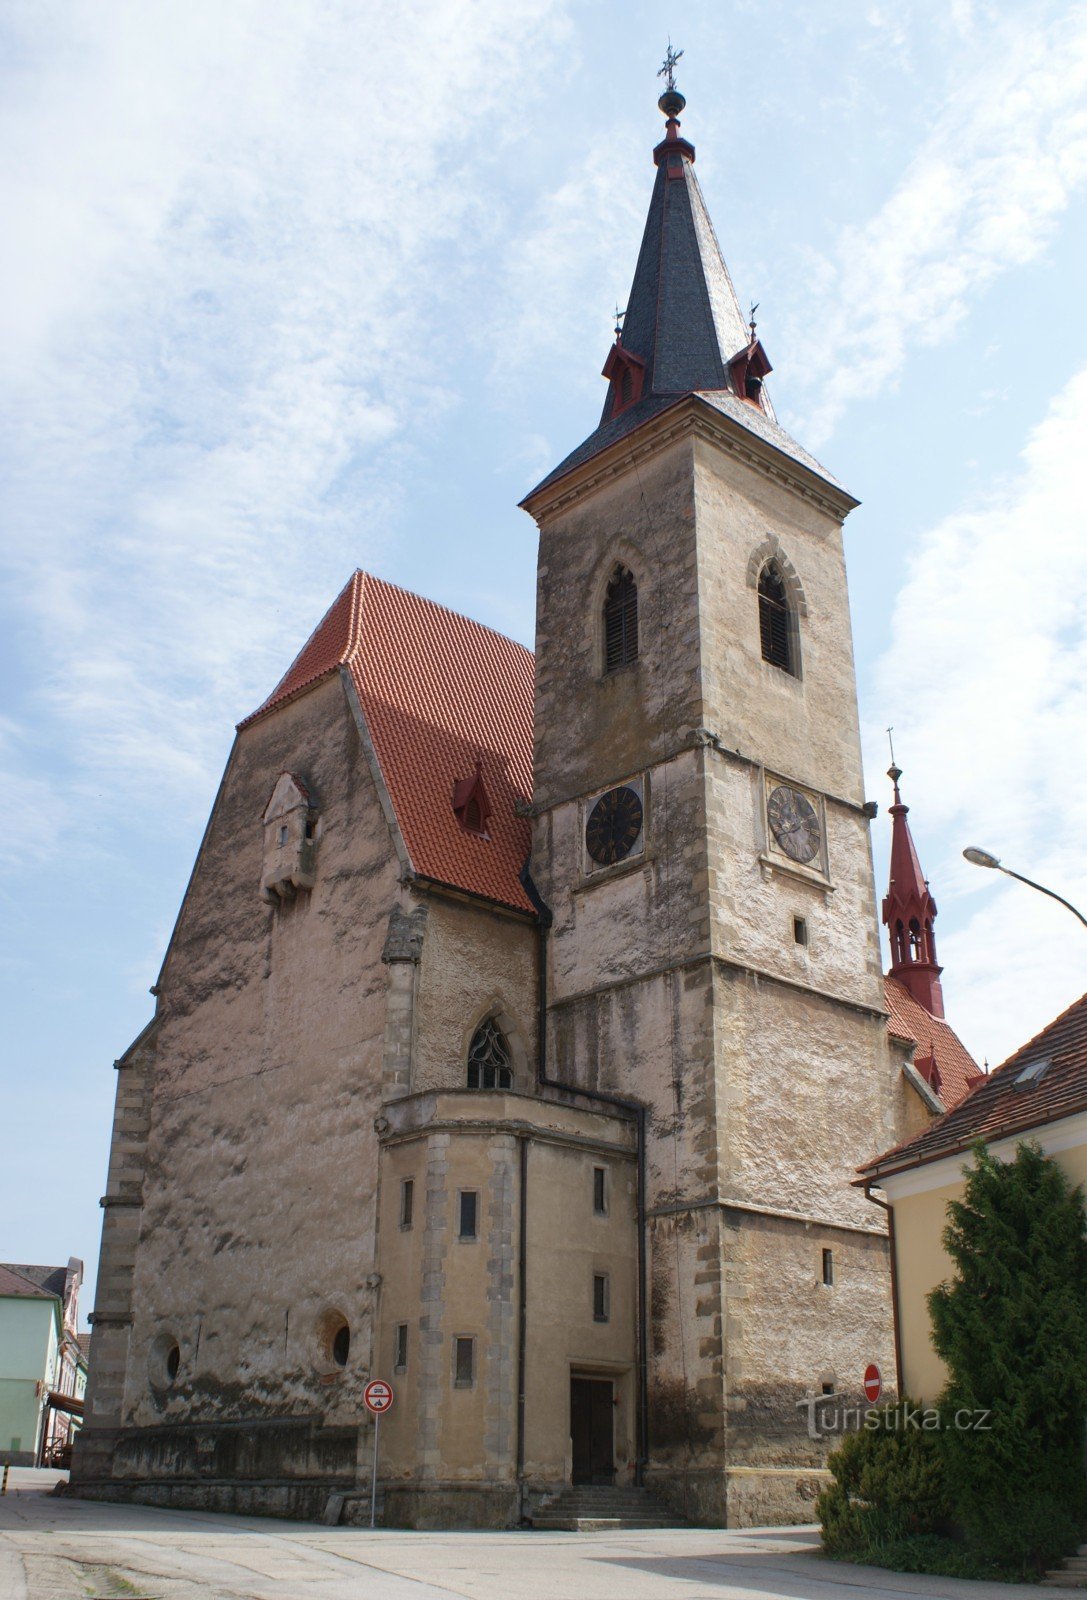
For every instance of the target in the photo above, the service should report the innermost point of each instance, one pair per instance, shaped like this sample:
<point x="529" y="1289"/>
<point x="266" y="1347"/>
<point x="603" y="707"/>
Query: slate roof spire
<point x="909" y="912"/>
<point x="683" y="332"/>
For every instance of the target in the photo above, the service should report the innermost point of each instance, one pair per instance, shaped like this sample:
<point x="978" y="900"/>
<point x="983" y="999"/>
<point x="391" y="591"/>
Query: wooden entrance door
<point x="592" y="1430"/>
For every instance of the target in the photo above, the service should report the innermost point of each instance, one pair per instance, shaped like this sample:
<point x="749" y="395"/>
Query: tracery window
<point x="620" y="621"/>
<point x="489" y="1058"/>
<point x="774" y="629"/>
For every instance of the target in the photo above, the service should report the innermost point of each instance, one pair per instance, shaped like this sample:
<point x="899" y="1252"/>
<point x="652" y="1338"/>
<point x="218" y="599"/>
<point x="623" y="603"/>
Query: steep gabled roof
<point x="959" y="1072"/>
<point x="1000" y="1106"/>
<point x="438" y="691"/>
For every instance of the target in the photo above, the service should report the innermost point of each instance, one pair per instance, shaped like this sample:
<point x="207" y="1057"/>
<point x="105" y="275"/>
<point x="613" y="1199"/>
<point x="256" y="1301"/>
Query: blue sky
<point x="290" y="288"/>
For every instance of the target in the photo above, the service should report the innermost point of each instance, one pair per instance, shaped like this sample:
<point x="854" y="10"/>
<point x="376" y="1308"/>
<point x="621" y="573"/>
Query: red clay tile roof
<point x="437" y="691"/>
<point x="998" y="1107"/>
<point x="933" y="1036"/>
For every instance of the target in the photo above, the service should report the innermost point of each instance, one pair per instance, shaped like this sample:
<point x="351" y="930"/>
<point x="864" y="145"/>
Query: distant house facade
<point x="43" y="1363"/>
<point x="1038" y="1094"/>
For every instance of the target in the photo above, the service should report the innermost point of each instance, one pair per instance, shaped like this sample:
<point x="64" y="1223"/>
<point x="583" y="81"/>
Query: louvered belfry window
<point x="620" y="621"/>
<point x="489" y="1058"/>
<point x="774" y="619"/>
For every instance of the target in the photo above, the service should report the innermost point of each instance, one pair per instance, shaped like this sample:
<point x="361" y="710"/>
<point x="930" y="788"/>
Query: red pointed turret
<point x="909" y="912"/>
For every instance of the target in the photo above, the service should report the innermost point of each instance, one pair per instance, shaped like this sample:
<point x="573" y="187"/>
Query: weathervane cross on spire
<point x="668" y="70"/>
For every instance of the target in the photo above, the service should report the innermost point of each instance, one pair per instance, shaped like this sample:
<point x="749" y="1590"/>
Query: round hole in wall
<point x="163" y="1361"/>
<point x="341" y="1345"/>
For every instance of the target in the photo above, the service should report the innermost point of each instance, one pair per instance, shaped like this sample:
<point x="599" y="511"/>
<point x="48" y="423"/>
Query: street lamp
<point x="982" y="858"/>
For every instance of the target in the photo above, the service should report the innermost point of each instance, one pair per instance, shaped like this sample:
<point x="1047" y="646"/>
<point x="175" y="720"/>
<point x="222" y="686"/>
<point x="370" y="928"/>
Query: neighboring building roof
<point x="13" y="1283"/>
<point x="1001" y="1106"/>
<point x="84" y="1342"/>
<point x="437" y="691"/>
<point x="933" y="1036"/>
<point x="43" y="1281"/>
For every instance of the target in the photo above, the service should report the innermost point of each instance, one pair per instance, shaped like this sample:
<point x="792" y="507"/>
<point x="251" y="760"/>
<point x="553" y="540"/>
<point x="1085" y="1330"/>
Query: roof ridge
<point x="461" y="616"/>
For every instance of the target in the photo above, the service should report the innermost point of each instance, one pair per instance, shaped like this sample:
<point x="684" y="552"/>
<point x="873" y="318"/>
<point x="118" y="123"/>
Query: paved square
<point x="53" y="1548"/>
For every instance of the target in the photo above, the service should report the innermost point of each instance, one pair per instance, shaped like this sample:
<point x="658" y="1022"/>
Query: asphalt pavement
<point x="56" y="1548"/>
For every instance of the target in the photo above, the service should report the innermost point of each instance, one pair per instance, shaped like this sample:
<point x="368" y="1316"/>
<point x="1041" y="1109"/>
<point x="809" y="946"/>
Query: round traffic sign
<point x="873" y="1383"/>
<point x="378" y="1395"/>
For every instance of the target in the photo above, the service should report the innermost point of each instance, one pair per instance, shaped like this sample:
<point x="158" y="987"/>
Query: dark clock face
<point x="794" y="823"/>
<point x="614" y="825"/>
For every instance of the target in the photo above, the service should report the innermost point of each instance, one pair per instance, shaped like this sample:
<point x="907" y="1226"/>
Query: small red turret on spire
<point x="909" y="912"/>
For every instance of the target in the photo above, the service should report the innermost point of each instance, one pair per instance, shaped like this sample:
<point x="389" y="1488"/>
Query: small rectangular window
<point x="828" y="1388"/>
<point x="283" y="834"/>
<point x="407" y="1202"/>
<point x="468" y="1205"/>
<point x="400" y="1354"/>
<point x="800" y="930"/>
<point x="600" y="1191"/>
<point x="464" y="1363"/>
<point x="310" y="826"/>
<point x="600" y="1297"/>
<point x="828" y="1268"/>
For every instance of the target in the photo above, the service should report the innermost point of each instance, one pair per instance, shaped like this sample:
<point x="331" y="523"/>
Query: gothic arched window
<point x="620" y="621"/>
<point x="774" y="622"/>
<point x="489" y="1058"/>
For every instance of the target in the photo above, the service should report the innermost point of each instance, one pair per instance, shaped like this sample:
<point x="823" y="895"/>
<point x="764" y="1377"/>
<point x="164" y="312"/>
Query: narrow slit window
<point x="469" y="1207"/>
<point x="600" y="1297"/>
<point x="283" y="834"/>
<point x="774" y="629"/>
<point x="600" y="1191"/>
<point x="828" y="1268"/>
<point x="800" y="930"/>
<point x="400" y="1353"/>
<point x="407" y="1202"/>
<point x="464" y="1362"/>
<point x="489" y="1058"/>
<point x="620" y="621"/>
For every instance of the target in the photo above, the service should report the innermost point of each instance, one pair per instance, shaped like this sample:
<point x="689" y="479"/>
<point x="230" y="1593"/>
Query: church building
<point x="523" y="1024"/>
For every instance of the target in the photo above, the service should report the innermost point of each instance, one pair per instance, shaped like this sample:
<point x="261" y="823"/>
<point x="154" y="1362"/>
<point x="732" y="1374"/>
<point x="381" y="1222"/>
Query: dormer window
<point x="626" y="374"/>
<point x="747" y="369"/>
<point x="471" y="807"/>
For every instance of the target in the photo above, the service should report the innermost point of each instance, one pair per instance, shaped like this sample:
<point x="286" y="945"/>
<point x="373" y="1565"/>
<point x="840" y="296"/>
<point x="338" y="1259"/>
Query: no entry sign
<point x="378" y="1396"/>
<point x="873" y="1383"/>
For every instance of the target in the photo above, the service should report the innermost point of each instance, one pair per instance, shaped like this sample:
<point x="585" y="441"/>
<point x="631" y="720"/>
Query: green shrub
<point x="889" y="1485"/>
<point x="1011" y="1327"/>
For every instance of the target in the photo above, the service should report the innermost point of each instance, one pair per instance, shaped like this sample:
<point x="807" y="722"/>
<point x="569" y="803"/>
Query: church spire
<point x="683" y="330"/>
<point x="909" y="912"/>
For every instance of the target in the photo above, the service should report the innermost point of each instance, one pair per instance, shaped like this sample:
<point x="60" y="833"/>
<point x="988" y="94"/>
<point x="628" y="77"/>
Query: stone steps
<point x="1073" y="1575"/>
<point x="601" y="1509"/>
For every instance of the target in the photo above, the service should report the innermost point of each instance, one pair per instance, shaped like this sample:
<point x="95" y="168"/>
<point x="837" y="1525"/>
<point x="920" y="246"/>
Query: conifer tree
<point x="1011" y="1328"/>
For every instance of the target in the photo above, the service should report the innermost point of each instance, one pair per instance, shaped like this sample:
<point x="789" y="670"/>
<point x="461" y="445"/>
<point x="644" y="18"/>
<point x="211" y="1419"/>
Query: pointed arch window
<point x="489" y="1058"/>
<point x="775" y="624"/>
<point x="620" y="621"/>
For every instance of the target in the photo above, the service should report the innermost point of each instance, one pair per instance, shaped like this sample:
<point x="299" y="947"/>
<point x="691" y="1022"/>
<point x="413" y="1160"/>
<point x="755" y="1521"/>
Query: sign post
<point x="377" y="1397"/>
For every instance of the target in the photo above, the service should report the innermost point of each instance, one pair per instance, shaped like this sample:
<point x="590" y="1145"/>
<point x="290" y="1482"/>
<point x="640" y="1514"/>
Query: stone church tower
<point x="521" y="1032"/>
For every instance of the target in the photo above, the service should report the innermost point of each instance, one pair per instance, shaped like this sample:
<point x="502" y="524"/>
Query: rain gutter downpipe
<point x="884" y="1206"/>
<point x="631" y="1108"/>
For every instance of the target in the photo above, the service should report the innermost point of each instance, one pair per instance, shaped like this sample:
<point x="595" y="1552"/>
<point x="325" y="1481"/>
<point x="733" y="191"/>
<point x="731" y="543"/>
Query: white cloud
<point x="1006" y="150"/>
<point x="986" y="684"/>
<point x="231" y="238"/>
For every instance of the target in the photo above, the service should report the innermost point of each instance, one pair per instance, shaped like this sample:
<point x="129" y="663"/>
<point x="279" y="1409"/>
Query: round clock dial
<point x="614" y="825"/>
<point x="794" y="823"/>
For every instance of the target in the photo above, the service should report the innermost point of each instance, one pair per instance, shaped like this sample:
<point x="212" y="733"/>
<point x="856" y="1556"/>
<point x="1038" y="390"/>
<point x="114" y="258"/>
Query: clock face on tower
<point x="794" y="824"/>
<point x="614" y="825"/>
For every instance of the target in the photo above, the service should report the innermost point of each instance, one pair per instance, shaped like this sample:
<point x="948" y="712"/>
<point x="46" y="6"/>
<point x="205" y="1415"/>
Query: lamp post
<point x="982" y="858"/>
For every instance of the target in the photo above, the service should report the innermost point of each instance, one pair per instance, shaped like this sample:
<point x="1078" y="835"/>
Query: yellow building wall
<point x="923" y="1263"/>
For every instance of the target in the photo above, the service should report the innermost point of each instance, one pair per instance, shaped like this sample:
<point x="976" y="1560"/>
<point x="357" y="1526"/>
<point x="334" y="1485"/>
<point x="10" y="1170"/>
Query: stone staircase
<point x="592" y="1508"/>
<point x="1073" y="1575"/>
